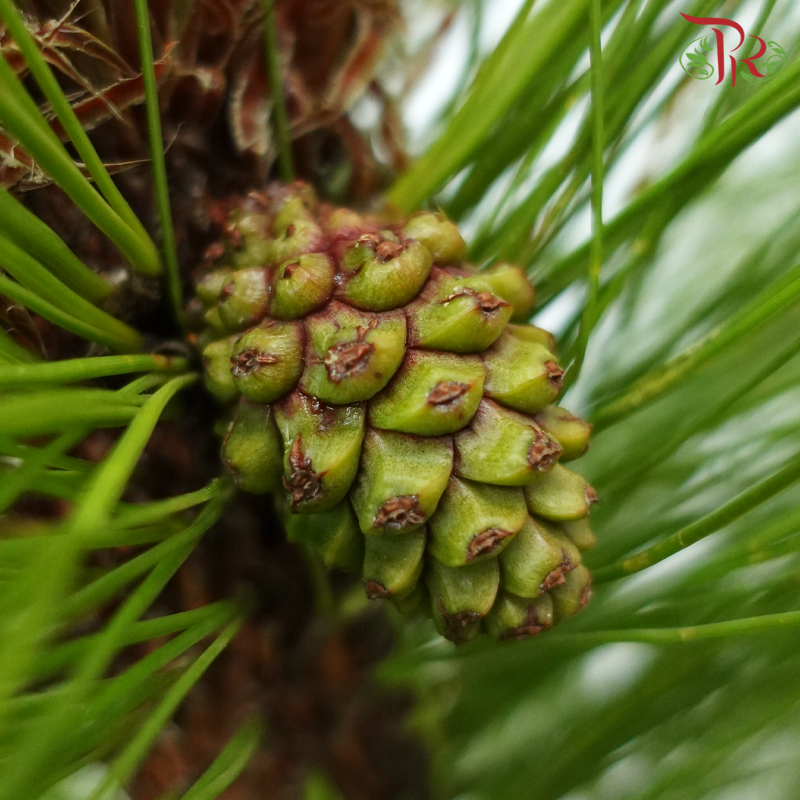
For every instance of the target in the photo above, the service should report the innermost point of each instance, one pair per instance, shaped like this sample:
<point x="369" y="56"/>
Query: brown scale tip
<point x="553" y="578"/>
<point x="289" y="269"/>
<point x="524" y="631"/>
<point x="554" y="373"/>
<point x="227" y="290"/>
<point x="370" y="240"/>
<point x="386" y="251"/>
<point x="586" y="596"/>
<point x="591" y="495"/>
<point x="486" y="542"/>
<point x="347" y="359"/>
<point x="543" y="452"/>
<point x="487" y="302"/>
<point x="304" y="483"/>
<point x="249" y="360"/>
<point x="375" y="590"/>
<point x="399" y="512"/>
<point x="557" y="576"/>
<point x="343" y="244"/>
<point x="446" y="392"/>
<point x="456" y="624"/>
<point x="530" y="627"/>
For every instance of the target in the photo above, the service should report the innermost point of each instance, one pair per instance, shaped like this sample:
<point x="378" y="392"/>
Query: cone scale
<point x="395" y="401"/>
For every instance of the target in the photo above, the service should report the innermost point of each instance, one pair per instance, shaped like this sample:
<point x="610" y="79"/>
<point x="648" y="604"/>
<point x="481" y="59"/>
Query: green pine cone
<point x="408" y="427"/>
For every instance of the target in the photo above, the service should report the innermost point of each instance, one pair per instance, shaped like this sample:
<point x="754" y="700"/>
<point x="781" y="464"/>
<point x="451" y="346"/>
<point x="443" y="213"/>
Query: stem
<point x="598" y="146"/>
<point x="170" y="249"/>
<point x="691" y="633"/>
<point x="62" y="655"/>
<point x="33" y="236"/>
<point x="109" y="481"/>
<point x="134" y="515"/>
<point x="717" y="519"/>
<point x="13" y="353"/>
<point x="81" y="369"/>
<point x="280" y="120"/>
<point x="32" y="275"/>
<point x="126" y="340"/>
<point x="37" y="413"/>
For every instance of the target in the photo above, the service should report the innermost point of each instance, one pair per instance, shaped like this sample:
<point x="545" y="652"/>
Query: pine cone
<point x="387" y="392"/>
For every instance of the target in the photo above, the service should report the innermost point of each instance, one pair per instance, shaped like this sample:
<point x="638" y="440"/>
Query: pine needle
<point x="280" y="119"/>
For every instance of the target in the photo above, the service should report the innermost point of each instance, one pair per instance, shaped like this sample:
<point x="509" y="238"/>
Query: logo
<point x="699" y="59"/>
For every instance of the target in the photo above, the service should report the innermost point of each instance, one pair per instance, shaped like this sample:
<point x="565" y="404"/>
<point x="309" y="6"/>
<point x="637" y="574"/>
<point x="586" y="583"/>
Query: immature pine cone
<point x="382" y="389"/>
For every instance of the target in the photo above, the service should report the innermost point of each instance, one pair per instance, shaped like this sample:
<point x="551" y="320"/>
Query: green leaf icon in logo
<point x="775" y="62"/>
<point x="706" y="45"/>
<point x="693" y="59"/>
